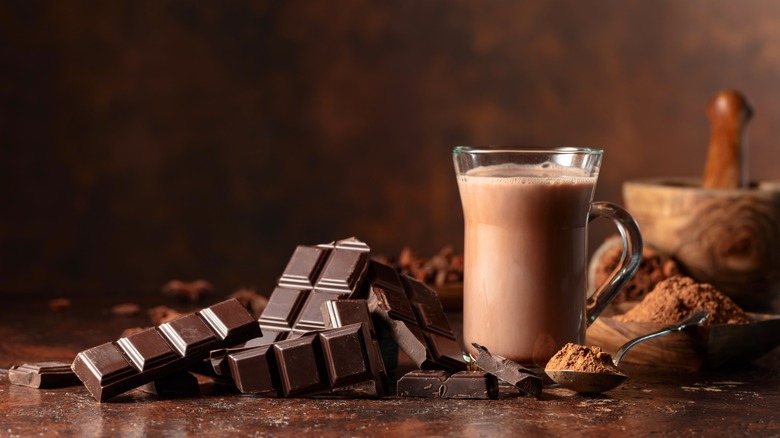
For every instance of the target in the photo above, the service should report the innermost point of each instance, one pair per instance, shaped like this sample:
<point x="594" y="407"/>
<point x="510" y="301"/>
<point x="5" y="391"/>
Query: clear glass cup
<point x="526" y="215"/>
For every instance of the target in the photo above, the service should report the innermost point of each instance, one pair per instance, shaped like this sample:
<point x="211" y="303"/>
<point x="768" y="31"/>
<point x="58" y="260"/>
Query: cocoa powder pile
<point x="677" y="297"/>
<point x="574" y="357"/>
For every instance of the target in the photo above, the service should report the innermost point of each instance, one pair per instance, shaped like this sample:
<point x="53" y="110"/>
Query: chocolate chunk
<point x="341" y="313"/>
<point x="509" y="371"/>
<point x="255" y="370"/>
<point x="126" y="309"/>
<point x="178" y="384"/>
<point x="471" y="384"/>
<point x="422" y="383"/>
<point x="414" y="315"/>
<point x="59" y="304"/>
<point x="43" y="375"/>
<point x="325" y="362"/>
<point x="314" y="275"/>
<point x="115" y="367"/>
<point x="192" y="292"/>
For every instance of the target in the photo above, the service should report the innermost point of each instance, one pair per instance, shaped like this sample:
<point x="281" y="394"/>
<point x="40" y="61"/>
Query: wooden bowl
<point x="727" y="237"/>
<point x="714" y="346"/>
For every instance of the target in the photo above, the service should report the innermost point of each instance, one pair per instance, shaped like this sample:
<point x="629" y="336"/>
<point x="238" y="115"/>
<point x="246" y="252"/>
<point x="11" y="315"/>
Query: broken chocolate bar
<point x="314" y="275"/>
<point x="316" y="363"/>
<point x="43" y="375"/>
<point x="470" y="384"/>
<point x="440" y="384"/>
<point x="508" y="371"/>
<point x="115" y="367"/>
<point x="422" y="383"/>
<point x="414" y="315"/>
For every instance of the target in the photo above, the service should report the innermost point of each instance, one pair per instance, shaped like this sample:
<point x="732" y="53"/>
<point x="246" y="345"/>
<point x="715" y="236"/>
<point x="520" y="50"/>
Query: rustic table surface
<point x="742" y="401"/>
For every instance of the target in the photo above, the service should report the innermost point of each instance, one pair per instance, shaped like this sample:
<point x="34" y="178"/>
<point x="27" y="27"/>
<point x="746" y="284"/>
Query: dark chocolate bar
<point x="43" y="375"/>
<point x="115" y="367"/>
<point x="509" y="371"/>
<point x="422" y="383"/>
<point x="314" y="275"/>
<point x="470" y="384"/>
<point x="415" y="317"/>
<point x="315" y="363"/>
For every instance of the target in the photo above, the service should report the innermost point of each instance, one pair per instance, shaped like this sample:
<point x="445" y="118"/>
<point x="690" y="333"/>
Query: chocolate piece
<point x="415" y="317"/>
<point x="43" y="375"/>
<point x="323" y="362"/>
<point x="178" y="384"/>
<point x="188" y="291"/>
<point x="509" y="371"/>
<point x="422" y="383"/>
<point x="470" y="384"/>
<point x="126" y="309"/>
<point x="341" y="313"/>
<point x="314" y="275"/>
<point x="255" y="370"/>
<point x="59" y="304"/>
<point x="115" y="367"/>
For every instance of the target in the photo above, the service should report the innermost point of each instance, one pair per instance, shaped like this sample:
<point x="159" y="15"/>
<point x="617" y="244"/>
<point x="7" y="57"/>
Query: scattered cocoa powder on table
<point x="574" y="357"/>
<point x="677" y="297"/>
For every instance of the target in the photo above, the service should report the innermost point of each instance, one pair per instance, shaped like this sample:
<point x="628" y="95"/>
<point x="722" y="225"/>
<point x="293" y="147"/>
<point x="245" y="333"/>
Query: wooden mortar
<point x="720" y="229"/>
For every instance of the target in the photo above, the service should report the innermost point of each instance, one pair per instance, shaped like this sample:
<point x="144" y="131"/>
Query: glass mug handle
<point x="629" y="261"/>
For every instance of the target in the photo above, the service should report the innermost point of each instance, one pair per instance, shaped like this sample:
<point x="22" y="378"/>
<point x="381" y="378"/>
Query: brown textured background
<point x="149" y="140"/>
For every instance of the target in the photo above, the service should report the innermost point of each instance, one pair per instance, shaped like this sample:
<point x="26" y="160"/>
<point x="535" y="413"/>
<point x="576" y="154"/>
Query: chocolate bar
<point x="314" y="275"/>
<point x="509" y="371"/>
<point x="315" y="363"/>
<point x="115" y="367"/>
<point x="422" y="383"/>
<point x="470" y="384"/>
<point x="43" y="375"/>
<point x="414" y="315"/>
<point x="440" y="384"/>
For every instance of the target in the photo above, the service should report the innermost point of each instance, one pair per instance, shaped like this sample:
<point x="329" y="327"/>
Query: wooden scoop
<point x="729" y="113"/>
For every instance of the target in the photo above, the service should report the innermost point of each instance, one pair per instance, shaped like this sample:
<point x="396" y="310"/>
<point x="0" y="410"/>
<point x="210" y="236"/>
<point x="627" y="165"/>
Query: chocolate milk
<point x="525" y="258"/>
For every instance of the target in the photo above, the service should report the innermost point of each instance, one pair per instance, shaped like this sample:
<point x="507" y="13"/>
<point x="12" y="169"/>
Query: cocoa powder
<point x="574" y="357"/>
<point x="677" y="297"/>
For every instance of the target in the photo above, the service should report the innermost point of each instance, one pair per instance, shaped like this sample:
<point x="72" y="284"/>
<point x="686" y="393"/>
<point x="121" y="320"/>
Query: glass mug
<point x="526" y="213"/>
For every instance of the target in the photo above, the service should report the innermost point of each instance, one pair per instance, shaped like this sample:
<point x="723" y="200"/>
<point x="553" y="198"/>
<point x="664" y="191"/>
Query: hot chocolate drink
<point x="525" y="256"/>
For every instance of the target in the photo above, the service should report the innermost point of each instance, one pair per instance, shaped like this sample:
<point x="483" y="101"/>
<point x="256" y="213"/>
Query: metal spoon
<point x="595" y="383"/>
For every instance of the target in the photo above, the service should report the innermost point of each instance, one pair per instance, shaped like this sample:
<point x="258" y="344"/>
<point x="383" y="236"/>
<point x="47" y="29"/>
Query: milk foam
<point x="510" y="173"/>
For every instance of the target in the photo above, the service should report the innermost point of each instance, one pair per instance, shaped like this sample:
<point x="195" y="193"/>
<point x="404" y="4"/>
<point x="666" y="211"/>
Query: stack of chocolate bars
<point x="332" y="326"/>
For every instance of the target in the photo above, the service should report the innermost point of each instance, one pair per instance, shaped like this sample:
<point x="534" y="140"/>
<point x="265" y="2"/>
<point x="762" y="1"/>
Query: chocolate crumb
<point x="126" y="309"/>
<point x="59" y="304"/>
<point x="192" y="292"/>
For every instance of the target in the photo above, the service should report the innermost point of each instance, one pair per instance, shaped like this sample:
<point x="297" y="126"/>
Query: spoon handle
<point x="694" y="318"/>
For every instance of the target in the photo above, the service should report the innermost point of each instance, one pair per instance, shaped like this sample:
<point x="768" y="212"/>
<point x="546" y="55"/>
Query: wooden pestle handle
<point x="729" y="113"/>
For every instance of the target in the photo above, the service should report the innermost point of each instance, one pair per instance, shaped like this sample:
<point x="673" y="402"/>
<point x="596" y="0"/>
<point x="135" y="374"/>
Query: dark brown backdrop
<point x="150" y="140"/>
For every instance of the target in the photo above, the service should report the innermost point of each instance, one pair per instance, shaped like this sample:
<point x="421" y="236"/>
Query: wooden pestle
<point x="729" y="113"/>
